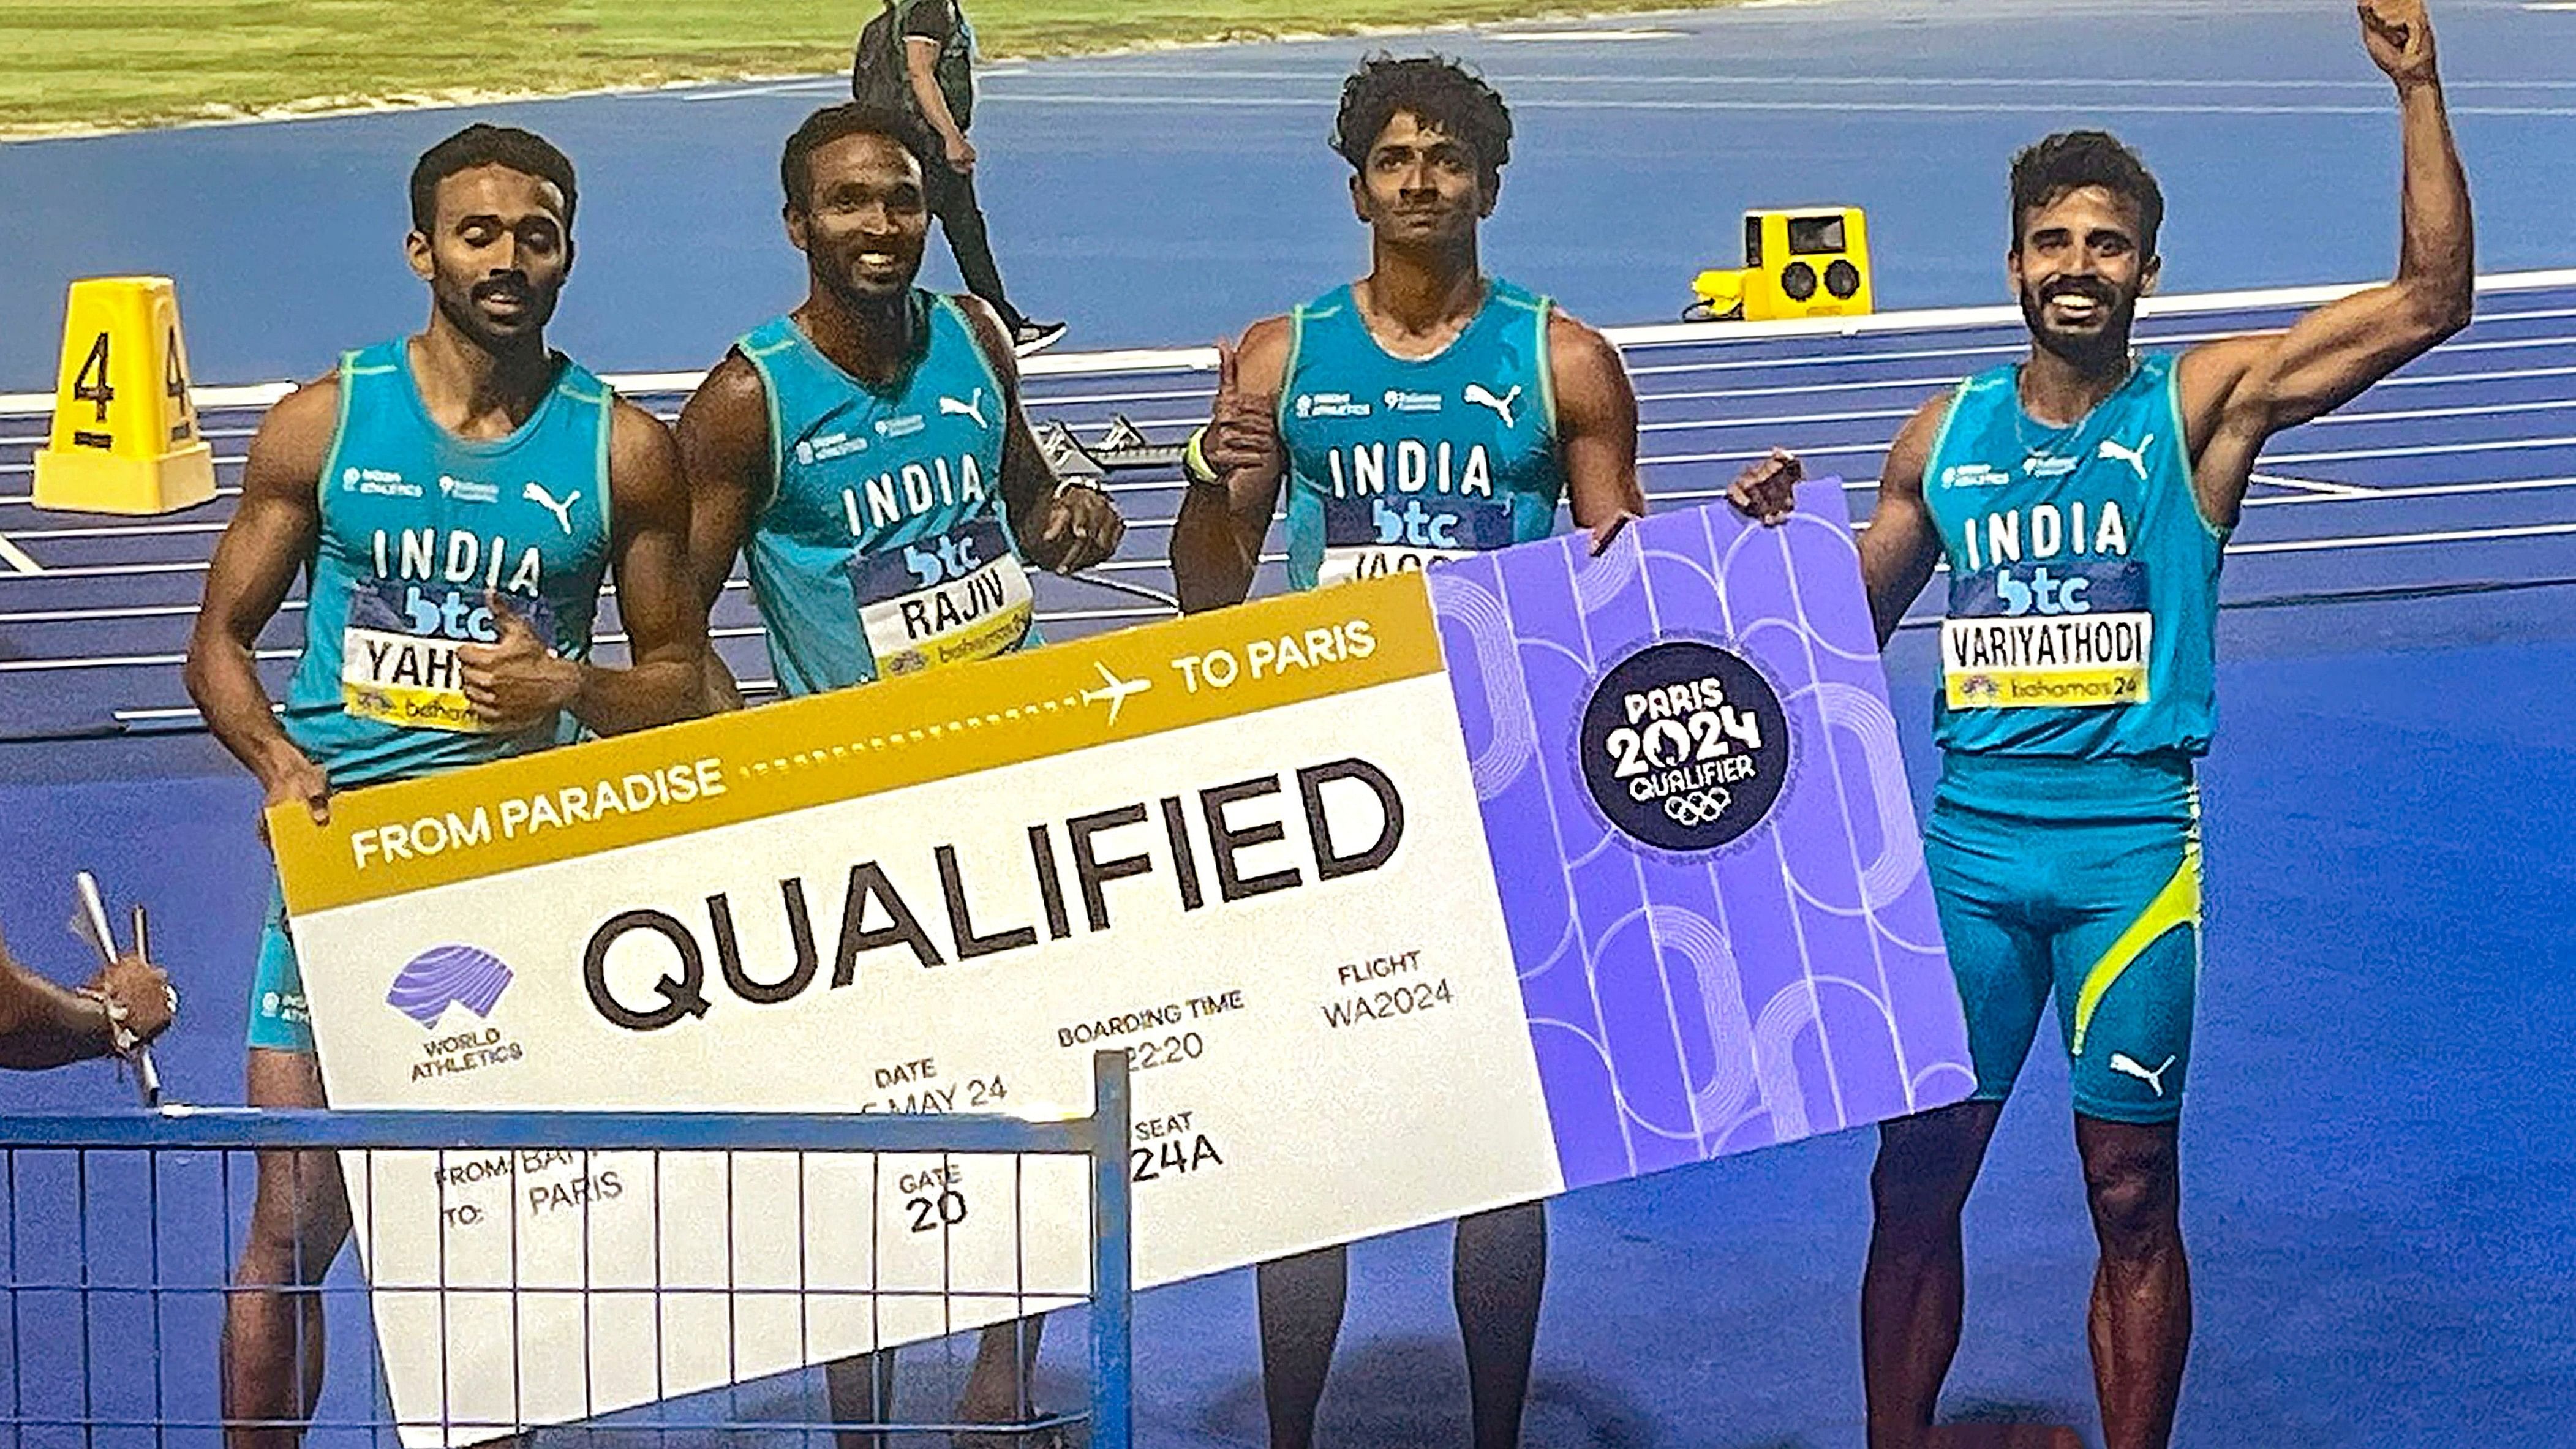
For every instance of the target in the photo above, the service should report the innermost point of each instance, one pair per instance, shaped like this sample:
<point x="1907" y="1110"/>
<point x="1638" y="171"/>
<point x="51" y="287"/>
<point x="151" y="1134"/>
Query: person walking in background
<point x="920" y="55"/>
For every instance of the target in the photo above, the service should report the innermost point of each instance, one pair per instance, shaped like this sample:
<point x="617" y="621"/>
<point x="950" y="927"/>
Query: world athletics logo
<point x="445" y="976"/>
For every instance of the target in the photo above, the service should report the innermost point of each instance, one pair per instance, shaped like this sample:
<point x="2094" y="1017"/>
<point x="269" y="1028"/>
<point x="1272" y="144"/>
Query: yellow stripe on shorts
<point x="2177" y="904"/>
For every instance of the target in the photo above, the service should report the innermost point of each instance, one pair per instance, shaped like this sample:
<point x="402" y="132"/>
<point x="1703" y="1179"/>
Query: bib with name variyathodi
<point x="2083" y="576"/>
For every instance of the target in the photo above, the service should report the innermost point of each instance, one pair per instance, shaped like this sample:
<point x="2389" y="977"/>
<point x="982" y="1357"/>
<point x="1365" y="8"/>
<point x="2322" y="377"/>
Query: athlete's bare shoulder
<point x="990" y="335"/>
<point x="724" y="426"/>
<point x="1261" y="358"/>
<point x="640" y="450"/>
<point x="1911" y="452"/>
<point x="1576" y="346"/>
<point x="293" y="443"/>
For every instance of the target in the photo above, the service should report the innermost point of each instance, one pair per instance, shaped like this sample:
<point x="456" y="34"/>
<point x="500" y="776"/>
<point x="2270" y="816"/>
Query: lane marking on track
<point x="16" y="558"/>
<point x="2312" y="485"/>
<point x="1669" y="334"/>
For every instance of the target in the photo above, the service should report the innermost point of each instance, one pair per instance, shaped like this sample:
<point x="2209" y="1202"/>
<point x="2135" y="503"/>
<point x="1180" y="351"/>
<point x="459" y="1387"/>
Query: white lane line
<point x="2392" y="540"/>
<point x="1542" y="37"/>
<point x="1671" y="334"/>
<point x="16" y="558"/>
<point x="2358" y="494"/>
<point x="2422" y="450"/>
<point x="2309" y="484"/>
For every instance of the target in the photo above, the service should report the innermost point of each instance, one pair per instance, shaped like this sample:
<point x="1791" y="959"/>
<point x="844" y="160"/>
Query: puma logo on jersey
<point x="2129" y="1066"/>
<point x="536" y="493"/>
<point x="973" y="407"/>
<point x="1483" y="397"/>
<point x="2134" y="457"/>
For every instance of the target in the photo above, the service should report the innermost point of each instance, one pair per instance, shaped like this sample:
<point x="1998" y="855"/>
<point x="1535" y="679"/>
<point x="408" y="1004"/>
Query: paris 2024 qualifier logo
<point x="1685" y="746"/>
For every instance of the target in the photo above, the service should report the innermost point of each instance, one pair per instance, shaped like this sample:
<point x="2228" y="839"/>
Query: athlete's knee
<point x="1927" y="1164"/>
<point x="2134" y="1186"/>
<point x="298" y="1222"/>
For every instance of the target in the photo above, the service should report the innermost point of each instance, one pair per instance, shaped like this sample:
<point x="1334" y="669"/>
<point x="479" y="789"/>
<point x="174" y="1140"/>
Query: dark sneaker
<point x="1036" y="337"/>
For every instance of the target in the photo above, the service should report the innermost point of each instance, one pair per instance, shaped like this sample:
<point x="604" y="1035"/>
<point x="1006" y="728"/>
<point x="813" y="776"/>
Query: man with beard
<point x="869" y="453"/>
<point x="454" y="500"/>
<point x="2081" y="498"/>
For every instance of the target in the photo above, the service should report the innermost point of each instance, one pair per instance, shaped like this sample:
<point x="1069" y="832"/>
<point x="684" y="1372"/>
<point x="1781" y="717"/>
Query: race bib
<point x="945" y="599"/>
<point x="398" y="648"/>
<point x="2063" y="636"/>
<point x="1367" y="538"/>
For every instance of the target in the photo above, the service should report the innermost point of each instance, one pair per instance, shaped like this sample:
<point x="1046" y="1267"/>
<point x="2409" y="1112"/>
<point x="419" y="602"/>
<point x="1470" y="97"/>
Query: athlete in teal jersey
<point x="1396" y="461"/>
<point x="2083" y="574"/>
<point x="454" y="499"/>
<point x="868" y="452"/>
<point x="420" y="529"/>
<point x="2063" y="844"/>
<point x="887" y="510"/>
<point x="1423" y="412"/>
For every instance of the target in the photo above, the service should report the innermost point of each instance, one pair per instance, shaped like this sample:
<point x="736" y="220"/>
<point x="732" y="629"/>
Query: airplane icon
<point x="1115" y="690"/>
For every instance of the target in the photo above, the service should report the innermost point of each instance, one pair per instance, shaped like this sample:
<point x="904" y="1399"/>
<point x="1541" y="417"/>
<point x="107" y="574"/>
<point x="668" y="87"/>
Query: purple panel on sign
<point x="1707" y="857"/>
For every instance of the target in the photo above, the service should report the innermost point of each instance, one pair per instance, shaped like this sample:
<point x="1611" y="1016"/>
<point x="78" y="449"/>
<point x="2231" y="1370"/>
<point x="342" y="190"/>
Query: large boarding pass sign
<point x="1410" y="897"/>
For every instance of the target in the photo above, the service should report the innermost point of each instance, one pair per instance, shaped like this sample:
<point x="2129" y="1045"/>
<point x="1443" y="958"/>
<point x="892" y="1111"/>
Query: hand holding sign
<point x="516" y="682"/>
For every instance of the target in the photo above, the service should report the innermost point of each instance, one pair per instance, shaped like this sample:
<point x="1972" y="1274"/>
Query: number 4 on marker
<point x="89" y="385"/>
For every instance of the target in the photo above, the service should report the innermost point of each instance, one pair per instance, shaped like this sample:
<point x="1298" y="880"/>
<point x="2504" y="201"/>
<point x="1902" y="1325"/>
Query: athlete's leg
<point x="1002" y="1387"/>
<point x="2127" y="979"/>
<point x="1915" y="1281"/>
<point x="1301" y="1314"/>
<point x="1498" y="1271"/>
<point x="272" y="1340"/>
<point x="951" y="195"/>
<point x="2139" y="1323"/>
<point x="1915" y="1284"/>
<point x="861" y="1389"/>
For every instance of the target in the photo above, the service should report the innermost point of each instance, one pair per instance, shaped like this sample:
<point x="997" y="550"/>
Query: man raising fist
<point x="2081" y="498"/>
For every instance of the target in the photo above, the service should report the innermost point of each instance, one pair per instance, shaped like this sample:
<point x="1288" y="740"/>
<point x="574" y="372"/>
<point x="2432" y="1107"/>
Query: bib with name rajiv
<point x="886" y="545"/>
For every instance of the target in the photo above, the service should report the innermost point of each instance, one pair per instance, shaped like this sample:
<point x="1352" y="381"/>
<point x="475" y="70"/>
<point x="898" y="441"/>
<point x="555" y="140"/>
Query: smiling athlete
<point x="455" y="500"/>
<point x="2081" y="498"/>
<point x="869" y="454"/>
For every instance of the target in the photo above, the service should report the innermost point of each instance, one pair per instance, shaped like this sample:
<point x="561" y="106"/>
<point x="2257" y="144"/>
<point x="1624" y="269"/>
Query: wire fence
<point x="641" y="1274"/>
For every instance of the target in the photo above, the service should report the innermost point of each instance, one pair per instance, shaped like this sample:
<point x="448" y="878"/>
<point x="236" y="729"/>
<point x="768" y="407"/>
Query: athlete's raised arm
<point x="1901" y="547"/>
<point x="2236" y="394"/>
<point x="1061" y="526"/>
<point x="1596" y="428"/>
<point x="268" y="540"/>
<point x="1234" y="483"/>
<point x="724" y="452"/>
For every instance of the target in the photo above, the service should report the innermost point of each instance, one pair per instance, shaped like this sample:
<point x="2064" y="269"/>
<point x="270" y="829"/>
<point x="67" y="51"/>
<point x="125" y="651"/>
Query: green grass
<point x="116" y="63"/>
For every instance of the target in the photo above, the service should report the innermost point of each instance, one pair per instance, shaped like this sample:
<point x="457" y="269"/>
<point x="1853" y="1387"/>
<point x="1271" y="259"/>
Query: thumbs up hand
<point x="516" y="682"/>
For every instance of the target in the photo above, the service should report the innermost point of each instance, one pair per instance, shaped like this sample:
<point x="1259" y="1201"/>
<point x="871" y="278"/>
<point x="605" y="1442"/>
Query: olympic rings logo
<point x="1699" y="807"/>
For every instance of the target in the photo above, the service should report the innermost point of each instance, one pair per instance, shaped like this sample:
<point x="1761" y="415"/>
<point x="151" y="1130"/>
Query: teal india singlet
<point x="1396" y="463"/>
<point x="885" y="546"/>
<point x="418" y="525"/>
<point x="2083" y="575"/>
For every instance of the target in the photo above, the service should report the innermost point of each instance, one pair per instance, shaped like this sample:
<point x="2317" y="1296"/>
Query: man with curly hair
<point x="1426" y="411"/>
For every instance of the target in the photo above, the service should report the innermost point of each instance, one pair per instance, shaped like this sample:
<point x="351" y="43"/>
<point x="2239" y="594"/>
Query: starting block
<point x="1807" y="261"/>
<point x="125" y="429"/>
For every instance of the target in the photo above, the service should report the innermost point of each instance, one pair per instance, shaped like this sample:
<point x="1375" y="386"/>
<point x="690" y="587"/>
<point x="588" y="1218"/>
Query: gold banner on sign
<point x="393" y="839"/>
